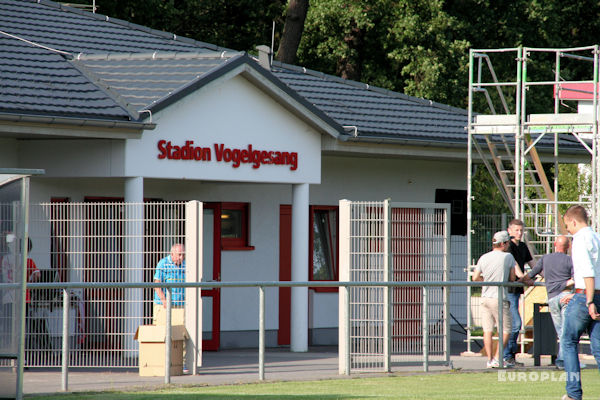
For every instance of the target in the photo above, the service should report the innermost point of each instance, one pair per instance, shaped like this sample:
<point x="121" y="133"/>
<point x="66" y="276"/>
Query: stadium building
<point x="114" y="112"/>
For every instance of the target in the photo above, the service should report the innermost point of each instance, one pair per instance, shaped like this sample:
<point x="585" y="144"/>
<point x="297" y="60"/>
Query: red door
<point x="285" y="273"/>
<point x="211" y="272"/>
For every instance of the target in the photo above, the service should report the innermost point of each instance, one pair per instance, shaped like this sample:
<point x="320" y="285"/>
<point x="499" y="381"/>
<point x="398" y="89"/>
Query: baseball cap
<point x="501" y="237"/>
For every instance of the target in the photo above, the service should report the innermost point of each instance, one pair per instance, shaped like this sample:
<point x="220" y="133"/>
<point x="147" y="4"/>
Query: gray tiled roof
<point x="35" y="81"/>
<point x="376" y="112"/>
<point x="77" y="31"/>
<point x="37" y="78"/>
<point x="144" y="79"/>
<point x="118" y="68"/>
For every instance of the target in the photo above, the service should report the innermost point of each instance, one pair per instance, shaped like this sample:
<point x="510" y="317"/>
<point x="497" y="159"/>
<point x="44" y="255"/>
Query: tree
<point x="292" y="31"/>
<point x="402" y="45"/>
<point x="487" y="198"/>
<point x="238" y="25"/>
<point x="574" y="182"/>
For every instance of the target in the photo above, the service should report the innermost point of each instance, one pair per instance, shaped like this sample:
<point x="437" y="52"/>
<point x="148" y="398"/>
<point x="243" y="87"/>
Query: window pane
<point x="324" y="245"/>
<point x="231" y="224"/>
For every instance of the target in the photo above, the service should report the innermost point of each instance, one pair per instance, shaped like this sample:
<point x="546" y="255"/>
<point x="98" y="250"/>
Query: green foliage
<point x="238" y="25"/>
<point x="488" y="199"/>
<point x="405" y="46"/>
<point x="572" y="184"/>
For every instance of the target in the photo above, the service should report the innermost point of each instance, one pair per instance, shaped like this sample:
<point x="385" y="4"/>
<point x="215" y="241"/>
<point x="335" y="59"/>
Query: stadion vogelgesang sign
<point x="237" y="157"/>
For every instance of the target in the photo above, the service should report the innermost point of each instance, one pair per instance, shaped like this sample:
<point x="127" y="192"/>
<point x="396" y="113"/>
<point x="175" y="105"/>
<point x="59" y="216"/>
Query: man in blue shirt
<point x="557" y="269"/>
<point x="170" y="269"/>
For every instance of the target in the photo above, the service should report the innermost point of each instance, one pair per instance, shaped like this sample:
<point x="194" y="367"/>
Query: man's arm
<point x="536" y="270"/>
<point x="512" y="274"/>
<point x="477" y="276"/>
<point x="518" y="272"/>
<point x="160" y="294"/>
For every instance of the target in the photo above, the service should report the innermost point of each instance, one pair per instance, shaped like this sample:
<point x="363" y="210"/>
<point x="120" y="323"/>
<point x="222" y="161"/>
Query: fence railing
<point x="67" y="287"/>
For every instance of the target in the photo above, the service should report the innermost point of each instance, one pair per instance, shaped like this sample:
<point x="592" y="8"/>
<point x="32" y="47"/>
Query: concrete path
<point x="238" y="366"/>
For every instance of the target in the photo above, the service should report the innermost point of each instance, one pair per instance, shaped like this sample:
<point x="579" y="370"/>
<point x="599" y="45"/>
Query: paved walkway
<point x="234" y="366"/>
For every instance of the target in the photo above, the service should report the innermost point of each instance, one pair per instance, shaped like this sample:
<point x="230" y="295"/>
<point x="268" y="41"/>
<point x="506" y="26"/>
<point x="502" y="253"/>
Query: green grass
<point x="447" y="386"/>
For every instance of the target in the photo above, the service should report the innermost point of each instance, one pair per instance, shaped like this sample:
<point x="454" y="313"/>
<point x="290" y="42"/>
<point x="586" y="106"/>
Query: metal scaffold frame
<point x="506" y="142"/>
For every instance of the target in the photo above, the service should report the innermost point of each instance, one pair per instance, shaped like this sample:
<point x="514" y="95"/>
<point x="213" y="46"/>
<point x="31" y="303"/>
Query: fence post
<point x="425" y="329"/>
<point x="469" y="316"/>
<point x="347" y="333"/>
<point x="65" y="341"/>
<point x="261" y="333"/>
<point x="387" y="291"/>
<point x="168" y="338"/>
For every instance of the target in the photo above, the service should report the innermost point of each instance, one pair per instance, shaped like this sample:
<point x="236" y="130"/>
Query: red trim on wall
<point x="285" y="273"/>
<point x="59" y="245"/>
<point x="407" y="231"/>
<point x="214" y="343"/>
<point x="575" y="91"/>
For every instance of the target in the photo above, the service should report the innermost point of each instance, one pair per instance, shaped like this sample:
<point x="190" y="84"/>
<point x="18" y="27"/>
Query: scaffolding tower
<point x="530" y="107"/>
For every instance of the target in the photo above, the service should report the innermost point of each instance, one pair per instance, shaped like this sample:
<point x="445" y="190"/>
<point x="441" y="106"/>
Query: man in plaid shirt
<point x="170" y="269"/>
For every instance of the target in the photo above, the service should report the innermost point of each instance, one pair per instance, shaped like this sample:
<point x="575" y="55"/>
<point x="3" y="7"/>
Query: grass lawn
<point x="515" y="384"/>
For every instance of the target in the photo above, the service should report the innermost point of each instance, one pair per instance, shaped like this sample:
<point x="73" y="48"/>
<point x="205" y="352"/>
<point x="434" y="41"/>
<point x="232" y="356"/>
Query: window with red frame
<point x="234" y="226"/>
<point x="324" y="244"/>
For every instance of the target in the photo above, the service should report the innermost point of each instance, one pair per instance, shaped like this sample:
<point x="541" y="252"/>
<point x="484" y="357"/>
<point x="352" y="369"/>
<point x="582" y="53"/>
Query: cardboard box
<point x="177" y="317"/>
<point x="152" y="349"/>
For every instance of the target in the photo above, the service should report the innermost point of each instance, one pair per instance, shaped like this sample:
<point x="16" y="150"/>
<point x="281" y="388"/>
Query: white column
<point x="134" y="259"/>
<point x="193" y="273"/>
<point x="299" y="317"/>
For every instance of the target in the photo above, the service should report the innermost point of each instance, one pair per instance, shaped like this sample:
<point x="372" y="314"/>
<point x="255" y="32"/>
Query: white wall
<point x="353" y="178"/>
<point x="401" y="179"/>
<point x="236" y="114"/>
<point x="8" y="153"/>
<point x="72" y="157"/>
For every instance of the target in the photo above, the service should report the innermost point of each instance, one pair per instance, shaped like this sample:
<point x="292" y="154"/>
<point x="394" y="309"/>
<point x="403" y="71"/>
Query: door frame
<point x="214" y="343"/>
<point x="285" y="274"/>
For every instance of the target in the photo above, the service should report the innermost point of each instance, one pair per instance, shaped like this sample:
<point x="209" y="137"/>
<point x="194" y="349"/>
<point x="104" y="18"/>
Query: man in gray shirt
<point x="557" y="269"/>
<point x="495" y="266"/>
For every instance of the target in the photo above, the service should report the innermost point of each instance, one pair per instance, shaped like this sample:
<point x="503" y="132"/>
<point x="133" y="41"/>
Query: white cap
<point x="501" y="237"/>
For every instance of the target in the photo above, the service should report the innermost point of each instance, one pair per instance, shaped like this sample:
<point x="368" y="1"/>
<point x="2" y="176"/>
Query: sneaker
<point x="493" y="364"/>
<point x="514" y="362"/>
<point x="509" y="363"/>
<point x="559" y="365"/>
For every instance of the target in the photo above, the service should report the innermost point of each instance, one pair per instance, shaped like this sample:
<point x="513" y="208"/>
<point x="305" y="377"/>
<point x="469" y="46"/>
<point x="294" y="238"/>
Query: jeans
<point x="557" y="312"/>
<point x="511" y="348"/>
<point x="577" y="321"/>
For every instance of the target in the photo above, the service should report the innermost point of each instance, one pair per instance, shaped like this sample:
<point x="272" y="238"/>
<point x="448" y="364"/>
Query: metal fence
<point x="67" y="288"/>
<point x="98" y="241"/>
<point x="382" y="242"/>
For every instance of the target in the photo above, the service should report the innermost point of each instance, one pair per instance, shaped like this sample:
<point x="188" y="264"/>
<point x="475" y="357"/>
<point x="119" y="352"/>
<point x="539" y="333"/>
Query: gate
<point x="383" y="242"/>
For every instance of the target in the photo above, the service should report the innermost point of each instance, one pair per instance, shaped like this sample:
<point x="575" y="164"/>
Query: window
<point x="234" y="226"/>
<point x="458" y="209"/>
<point x="324" y="245"/>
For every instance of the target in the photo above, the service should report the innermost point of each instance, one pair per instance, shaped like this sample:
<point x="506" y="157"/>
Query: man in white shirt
<point x="581" y="314"/>
<point x="495" y="266"/>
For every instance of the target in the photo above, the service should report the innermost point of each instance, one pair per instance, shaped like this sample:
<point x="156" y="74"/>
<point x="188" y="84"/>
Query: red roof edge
<point x="575" y="91"/>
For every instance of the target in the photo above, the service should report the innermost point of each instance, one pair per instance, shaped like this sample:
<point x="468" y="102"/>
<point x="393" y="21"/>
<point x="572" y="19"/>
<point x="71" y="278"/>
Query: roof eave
<point x="122" y="129"/>
<point x="406" y="141"/>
